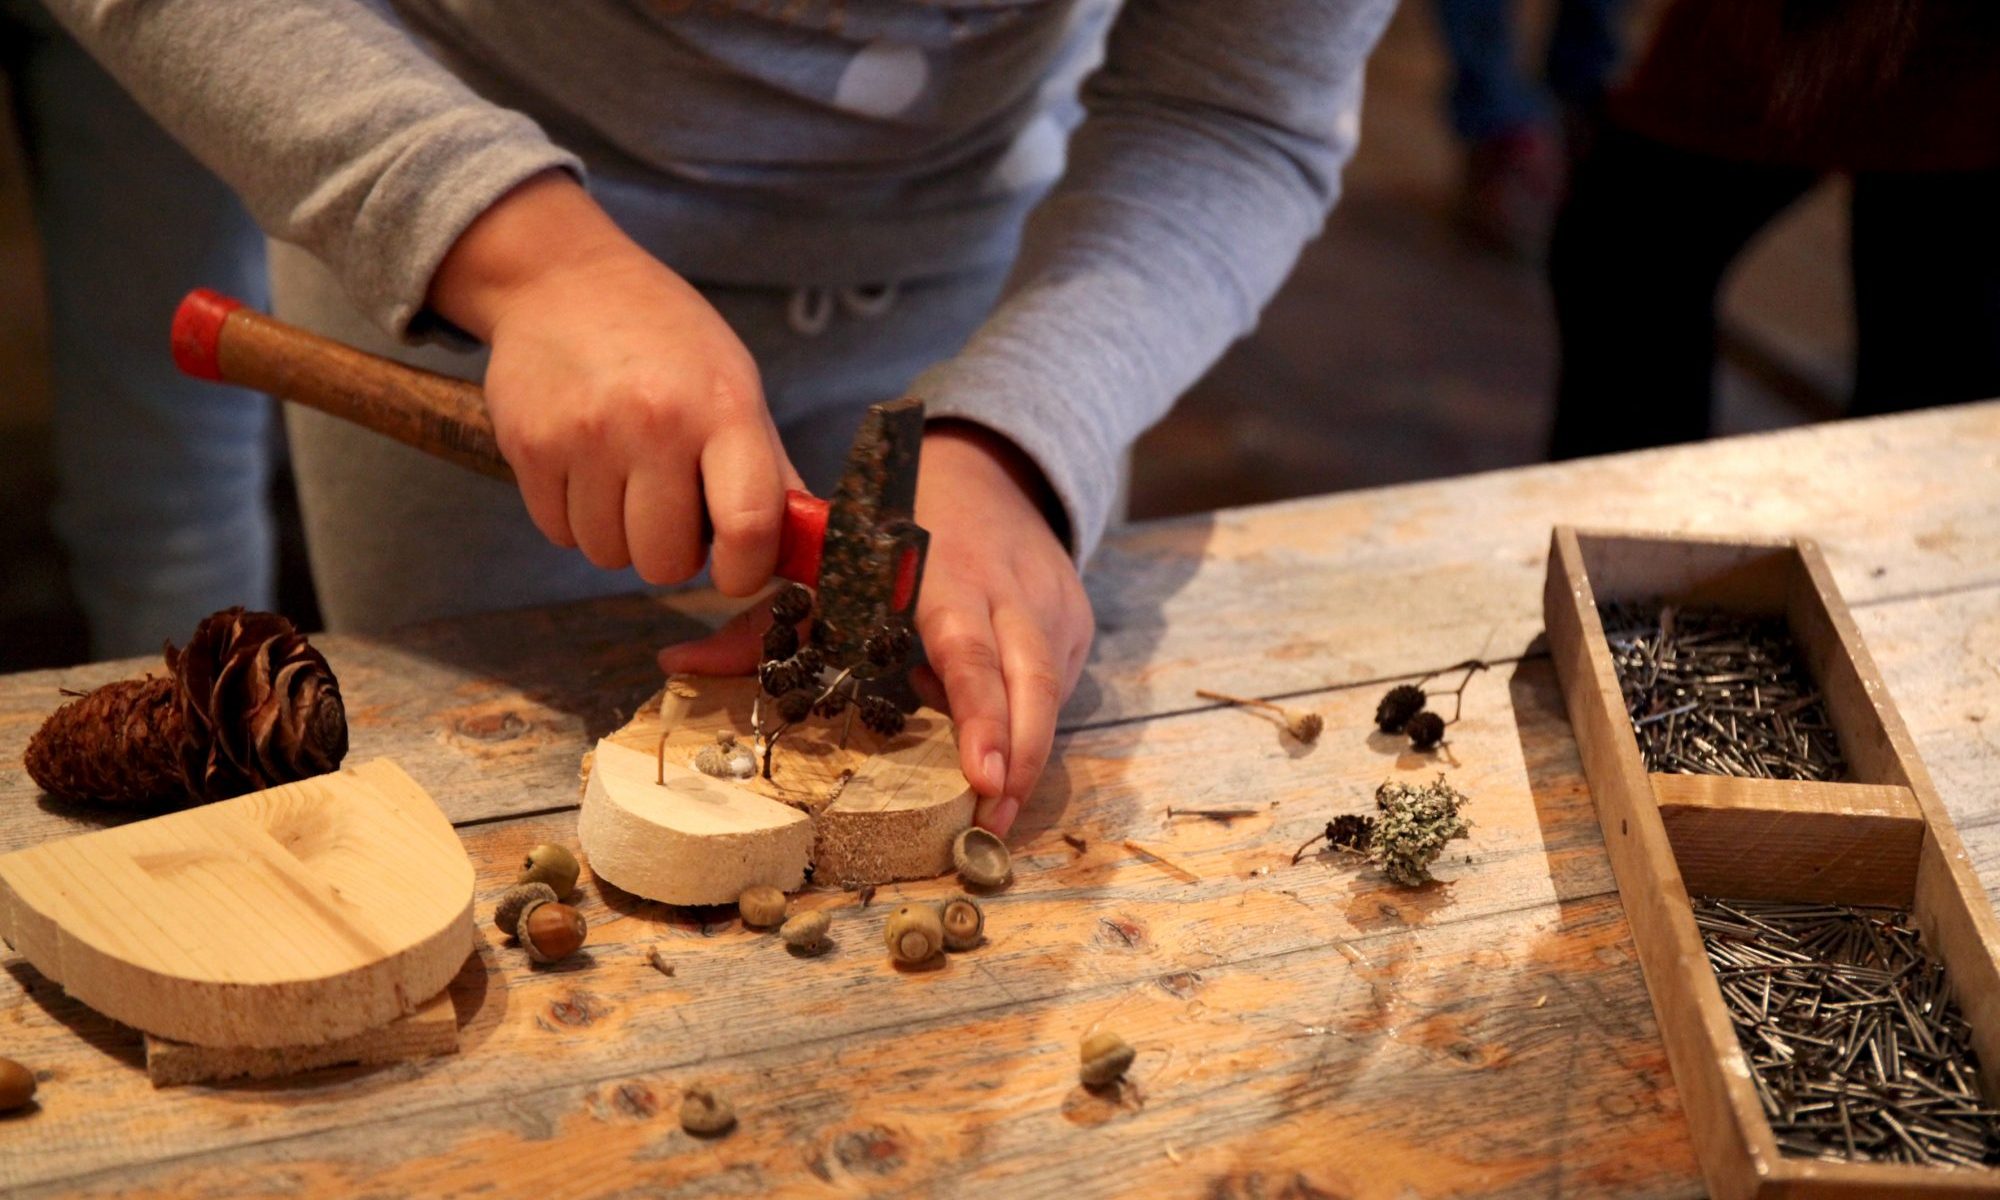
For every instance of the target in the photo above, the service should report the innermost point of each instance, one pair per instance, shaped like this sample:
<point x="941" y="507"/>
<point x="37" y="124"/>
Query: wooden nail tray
<point x="1881" y="836"/>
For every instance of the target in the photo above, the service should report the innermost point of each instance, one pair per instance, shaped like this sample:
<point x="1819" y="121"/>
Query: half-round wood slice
<point x="869" y="810"/>
<point x="292" y="916"/>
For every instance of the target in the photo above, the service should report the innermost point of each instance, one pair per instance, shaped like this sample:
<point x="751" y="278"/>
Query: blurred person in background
<point x="1513" y="124"/>
<point x="161" y="505"/>
<point x="1737" y="109"/>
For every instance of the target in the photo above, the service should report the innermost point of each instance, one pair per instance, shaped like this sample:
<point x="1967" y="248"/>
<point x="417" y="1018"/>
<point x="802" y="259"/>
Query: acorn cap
<point x="507" y="913"/>
<point x="981" y="858"/>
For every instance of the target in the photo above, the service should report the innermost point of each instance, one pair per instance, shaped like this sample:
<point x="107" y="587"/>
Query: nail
<point x="994" y="767"/>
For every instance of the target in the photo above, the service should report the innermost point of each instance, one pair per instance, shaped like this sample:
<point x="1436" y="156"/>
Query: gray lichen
<point x="1415" y="824"/>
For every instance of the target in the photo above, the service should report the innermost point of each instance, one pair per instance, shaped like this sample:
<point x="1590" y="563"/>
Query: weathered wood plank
<point x="1400" y="1071"/>
<point x="490" y="713"/>
<point x="1072" y="923"/>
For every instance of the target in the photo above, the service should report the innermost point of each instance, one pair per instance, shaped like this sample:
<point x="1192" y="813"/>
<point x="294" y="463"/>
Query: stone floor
<point x="1395" y="352"/>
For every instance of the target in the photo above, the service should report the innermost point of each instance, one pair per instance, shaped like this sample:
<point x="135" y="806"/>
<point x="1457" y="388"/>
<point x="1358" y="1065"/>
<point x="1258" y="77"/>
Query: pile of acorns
<point x="796" y="674"/>
<point x="536" y="912"/>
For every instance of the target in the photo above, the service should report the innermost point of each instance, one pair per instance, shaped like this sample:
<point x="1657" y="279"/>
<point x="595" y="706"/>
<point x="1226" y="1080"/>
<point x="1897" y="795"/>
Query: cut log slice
<point x="689" y="840"/>
<point x="426" y="1033"/>
<point x="873" y="810"/>
<point x="299" y="915"/>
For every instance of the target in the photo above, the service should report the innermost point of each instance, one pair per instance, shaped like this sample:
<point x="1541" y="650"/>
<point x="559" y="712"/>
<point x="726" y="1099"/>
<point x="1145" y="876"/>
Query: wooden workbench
<point x="1303" y="1031"/>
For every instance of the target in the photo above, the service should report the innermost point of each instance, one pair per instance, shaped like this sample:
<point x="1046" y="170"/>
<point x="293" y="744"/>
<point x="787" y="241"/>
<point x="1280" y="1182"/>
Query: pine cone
<point x="248" y="705"/>
<point x="1398" y="705"/>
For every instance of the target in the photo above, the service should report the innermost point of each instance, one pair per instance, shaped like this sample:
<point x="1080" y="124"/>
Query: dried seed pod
<point x="981" y="858"/>
<point x="778" y="677"/>
<point x="806" y="933"/>
<point x="1397" y="706"/>
<point x="1303" y="725"/>
<point x="810" y="661"/>
<point x="889" y="645"/>
<point x="1105" y="1058"/>
<point x="832" y="704"/>
<point x="964" y="923"/>
<point x="791" y="604"/>
<point x="551" y="931"/>
<point x="1426" y="730"/>
<point x="761" y="905"/>
<point x="796" y="705"/>
<point x="17" y="1085"/>
<point x="706" y="1112"/>
<point x="554" y="865"/>
<point x="507" y="913"/>
<point x="915" y="933"/>
<point x="781" y="641"/>
<point x="880" y="714"/>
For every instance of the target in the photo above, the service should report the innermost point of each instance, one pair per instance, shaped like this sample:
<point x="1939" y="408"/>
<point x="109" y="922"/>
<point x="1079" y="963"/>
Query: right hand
<point x="625" y="404"/>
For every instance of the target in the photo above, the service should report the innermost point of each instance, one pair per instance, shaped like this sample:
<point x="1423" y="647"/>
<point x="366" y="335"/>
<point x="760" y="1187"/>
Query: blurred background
<point x="1414" y="340"/>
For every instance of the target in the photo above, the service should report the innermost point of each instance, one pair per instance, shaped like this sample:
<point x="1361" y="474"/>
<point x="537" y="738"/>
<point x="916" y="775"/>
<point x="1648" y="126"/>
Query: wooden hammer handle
<point x="216" y="337"/>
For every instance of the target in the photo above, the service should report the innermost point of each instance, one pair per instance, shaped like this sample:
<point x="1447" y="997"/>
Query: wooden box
<point x="1882" y="836"/>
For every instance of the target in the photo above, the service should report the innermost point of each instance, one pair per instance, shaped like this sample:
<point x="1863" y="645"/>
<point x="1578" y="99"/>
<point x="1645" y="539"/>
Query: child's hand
<point x="1003" y="615"/>
<point x="624" y="403"/>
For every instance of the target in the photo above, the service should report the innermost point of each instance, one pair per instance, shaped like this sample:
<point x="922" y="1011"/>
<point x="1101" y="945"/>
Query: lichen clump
<point x="1414" y="825"/>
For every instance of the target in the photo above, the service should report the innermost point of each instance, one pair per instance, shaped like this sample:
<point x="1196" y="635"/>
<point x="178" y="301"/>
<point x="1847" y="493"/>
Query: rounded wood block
<point x="298" y="915"/>
<point x="872" y="811"/>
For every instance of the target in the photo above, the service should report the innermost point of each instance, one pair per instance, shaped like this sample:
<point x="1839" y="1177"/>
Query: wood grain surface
<point x="304" y="913"/>
<point x="1306" y="1030"/>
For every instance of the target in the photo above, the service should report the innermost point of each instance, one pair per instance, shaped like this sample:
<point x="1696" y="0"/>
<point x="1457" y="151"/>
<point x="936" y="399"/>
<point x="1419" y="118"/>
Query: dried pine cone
<point x="832" y="704"/>
<point x="792" y="604"/>
<point x="809" y="660"/>
<point x="777" y="677"/>
<point x="1426" y="730"/>
<point x="247" y="705"/>
<point x="889" y="645"/>
<point x="1397" y="707"/>
<point x="796" y="705"/>
<point x="1350" y="831"/>
<point x="781" y="641"/>
<point x="882" y="716"/>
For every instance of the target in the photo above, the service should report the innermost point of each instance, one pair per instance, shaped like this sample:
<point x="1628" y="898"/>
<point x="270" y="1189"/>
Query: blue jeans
<point x="1490" y="95"/>
<point x="161" y="480"/>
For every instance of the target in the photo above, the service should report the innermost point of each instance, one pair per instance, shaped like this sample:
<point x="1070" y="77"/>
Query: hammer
<point x="217" y="338"/>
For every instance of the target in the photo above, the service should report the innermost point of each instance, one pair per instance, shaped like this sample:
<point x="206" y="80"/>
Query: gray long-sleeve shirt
<point x="810" y="142"/>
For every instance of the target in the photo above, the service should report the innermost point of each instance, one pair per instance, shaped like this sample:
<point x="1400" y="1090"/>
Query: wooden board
<point x="1776" y="839"/>
<point x="873" y="810"/>
<point x="426" y="1033"/>
<point x="305" y="913"/>
<point x="1886" y="839"/>
<point x="1304" y="1031"/>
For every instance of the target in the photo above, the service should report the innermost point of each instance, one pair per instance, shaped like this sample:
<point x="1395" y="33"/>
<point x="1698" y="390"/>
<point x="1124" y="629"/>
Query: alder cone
<point x="247" y="705"/>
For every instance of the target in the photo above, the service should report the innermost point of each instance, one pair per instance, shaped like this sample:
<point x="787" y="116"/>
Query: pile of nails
<point x="1856" y="1050"/>
<point x="1715" y="693"/>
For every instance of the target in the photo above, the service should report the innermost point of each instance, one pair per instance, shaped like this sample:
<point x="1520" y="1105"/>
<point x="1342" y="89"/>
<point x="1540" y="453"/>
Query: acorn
<point x="706" y="1112"/>
<point x="761" y="905"/>
<point x="1397" y="706"/>
<point x="1426" y="730"/>
<point x="507" y="913"/>
<point x="1105" y="1058"/>
<point x="554" y="865"/>
<point x="806" y="933"/>
<point x="964" y="923"/>
<point x="17" y="1085"/>
<point x="981" y="858"/>
<point x="551" y="931"/>
<point x="915" y="934"/>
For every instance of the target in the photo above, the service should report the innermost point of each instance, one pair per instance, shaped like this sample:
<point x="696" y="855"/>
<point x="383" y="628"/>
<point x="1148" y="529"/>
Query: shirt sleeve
<point x="1210" y="153"/>
<point x="340" y="134"/>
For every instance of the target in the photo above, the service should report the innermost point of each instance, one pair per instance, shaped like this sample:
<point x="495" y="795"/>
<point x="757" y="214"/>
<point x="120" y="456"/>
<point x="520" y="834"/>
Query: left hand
<point x="1003" y="615"/>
